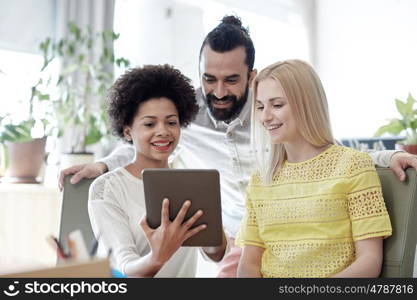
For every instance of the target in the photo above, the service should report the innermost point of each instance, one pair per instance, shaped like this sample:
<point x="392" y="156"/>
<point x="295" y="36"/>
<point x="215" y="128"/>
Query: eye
<point x="260" y="108"/>
<point x="231" y="81"/>
<point x="209" y="80"/>
<point x="150" y="125"/>
<point x="278" y="105"/>
<point x="172" y="123"/>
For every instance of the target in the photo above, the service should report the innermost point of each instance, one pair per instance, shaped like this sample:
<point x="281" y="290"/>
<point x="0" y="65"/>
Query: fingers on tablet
<point x="193" y="219"/>
<point x="144" y="224"/>
<point x="165" y="212"/>
<point x="194" y="231"/>
<point x="183" y="211"/>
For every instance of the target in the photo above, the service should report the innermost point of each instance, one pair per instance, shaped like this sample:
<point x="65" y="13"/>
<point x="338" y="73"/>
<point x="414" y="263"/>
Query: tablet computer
<point x="200" y="186"/>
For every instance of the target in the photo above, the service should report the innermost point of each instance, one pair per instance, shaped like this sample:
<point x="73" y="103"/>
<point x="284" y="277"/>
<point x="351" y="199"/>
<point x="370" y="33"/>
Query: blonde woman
<point x="314" y="208"/>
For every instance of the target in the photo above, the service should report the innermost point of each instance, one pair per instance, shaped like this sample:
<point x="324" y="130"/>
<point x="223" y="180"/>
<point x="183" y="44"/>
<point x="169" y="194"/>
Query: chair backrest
<point x="401" y="201"/>
<point x="74" y="211"/>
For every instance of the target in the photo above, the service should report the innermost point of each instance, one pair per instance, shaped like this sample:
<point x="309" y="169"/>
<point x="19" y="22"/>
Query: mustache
<point x="211" y="97"/>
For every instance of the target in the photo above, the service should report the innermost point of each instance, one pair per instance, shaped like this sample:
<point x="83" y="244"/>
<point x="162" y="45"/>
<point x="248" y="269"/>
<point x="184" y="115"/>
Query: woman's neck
<point x="142" y="162"/>
<point x="302" y="150"/>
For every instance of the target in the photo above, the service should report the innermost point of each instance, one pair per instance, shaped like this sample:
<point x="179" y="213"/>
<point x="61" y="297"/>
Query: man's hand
<point x="401" y="161"/>
<point x="92" y="170"/>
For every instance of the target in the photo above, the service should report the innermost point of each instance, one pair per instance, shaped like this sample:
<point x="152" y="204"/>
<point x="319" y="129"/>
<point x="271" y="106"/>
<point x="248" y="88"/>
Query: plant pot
<point x="407" y="148"/>
<point x="26" y="160"/>
<point x="71" y="159"/>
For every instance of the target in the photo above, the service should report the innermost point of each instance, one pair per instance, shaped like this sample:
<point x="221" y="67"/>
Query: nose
<point x="162" y="130"/>
<point x="220" y="90"/>
<point x="265" y="117"/>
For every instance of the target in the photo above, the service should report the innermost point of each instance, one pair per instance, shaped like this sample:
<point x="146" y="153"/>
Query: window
<point x="20" y="71"/>
<point x="20" y="58"/>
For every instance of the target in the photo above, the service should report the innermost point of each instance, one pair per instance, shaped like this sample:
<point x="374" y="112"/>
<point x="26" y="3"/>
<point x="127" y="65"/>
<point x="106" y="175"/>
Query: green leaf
<point x="75" y="30"/>
<point x="106" y="52"/>
<point x="413" y="125"/>
<point x="17" y="133"/>
<point x="43" y="97"/>
<point x="71" y="49"/>
<point x="60" y="46"/>
<point x="402" y="108"/>
<point x="72" y="27"/>
<point x="393" y="127"/>
<point x="60" y="79"/>
<point x="45" y="45"/>
<point x="93" y="136"/>
<point x="90" y="43"/>
<point x="410" y="103"/>
<point x="4" y="157"/>
<point x="122" y="62"/>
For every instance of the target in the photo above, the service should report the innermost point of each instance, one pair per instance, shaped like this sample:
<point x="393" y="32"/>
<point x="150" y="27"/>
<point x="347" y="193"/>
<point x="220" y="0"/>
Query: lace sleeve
<point x="368" y="214"/>
<point x="110" y="222"/>
<point x="249" y="231"/>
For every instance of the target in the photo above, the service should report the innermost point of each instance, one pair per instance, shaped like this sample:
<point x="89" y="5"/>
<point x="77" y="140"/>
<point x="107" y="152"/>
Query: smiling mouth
<point x="222" y="104"/>
<point x="273" y="127"/>
<point x="162" y="147"/>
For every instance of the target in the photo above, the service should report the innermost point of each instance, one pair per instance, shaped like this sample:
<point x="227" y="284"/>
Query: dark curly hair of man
<point x="138" y="85"/>
<point x="229" y="35"/>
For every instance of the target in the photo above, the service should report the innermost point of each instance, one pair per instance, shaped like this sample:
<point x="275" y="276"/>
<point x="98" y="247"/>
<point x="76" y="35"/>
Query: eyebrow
<point x="208" y="75"/>
<point x="154" y="117"/>
<point x="233" y="76"/>
<point x="271" y="99"/>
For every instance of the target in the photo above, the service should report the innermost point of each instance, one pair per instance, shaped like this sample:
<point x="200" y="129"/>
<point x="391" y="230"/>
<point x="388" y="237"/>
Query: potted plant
<point x="77" y="90"/>
<point x="22" y="143"/>
<point x="407" y="125"/>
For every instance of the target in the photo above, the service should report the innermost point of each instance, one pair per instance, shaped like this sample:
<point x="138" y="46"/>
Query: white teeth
<point x="160" y="145"/>
<point x="274" y="127"/>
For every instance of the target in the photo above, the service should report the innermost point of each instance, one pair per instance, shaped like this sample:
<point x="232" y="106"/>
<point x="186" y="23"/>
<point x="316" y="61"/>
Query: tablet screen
<point x="200" y="186"/>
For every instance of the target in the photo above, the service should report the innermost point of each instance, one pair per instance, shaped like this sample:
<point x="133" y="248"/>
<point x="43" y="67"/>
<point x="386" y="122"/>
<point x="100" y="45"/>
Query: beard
<point x="227" y="114"/>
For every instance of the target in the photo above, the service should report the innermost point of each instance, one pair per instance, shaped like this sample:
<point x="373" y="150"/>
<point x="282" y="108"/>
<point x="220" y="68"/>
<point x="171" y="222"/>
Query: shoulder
<point x="353" y="160"/>
<point x="105" y="184"/>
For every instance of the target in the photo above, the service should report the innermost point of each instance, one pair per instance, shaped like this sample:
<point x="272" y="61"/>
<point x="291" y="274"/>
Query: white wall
<point x="25" y="23"/>
<point x="159" y="32"/>
<point x="366" y="55"/>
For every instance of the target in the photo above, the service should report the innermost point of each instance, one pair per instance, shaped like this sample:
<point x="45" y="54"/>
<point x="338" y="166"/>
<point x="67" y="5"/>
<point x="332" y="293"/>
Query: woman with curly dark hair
<point x="147" y="107"/>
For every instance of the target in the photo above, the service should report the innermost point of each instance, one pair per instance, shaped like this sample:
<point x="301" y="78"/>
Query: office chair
<point x="401" y="201"/>
<point x="74" y="211"/>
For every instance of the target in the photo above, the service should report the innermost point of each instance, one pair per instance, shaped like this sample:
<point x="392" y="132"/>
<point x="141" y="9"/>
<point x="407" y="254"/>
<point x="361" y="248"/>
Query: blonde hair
<point x="308" y="103"/>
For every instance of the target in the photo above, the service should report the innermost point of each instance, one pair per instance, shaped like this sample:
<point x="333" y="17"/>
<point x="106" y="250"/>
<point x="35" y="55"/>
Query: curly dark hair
<point x="140" y="84"/>
<point x="229" y="35"/>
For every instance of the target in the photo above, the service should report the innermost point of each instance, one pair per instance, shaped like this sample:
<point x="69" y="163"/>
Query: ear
<point x="126" y="133"/>
<point x="252" y="76"/>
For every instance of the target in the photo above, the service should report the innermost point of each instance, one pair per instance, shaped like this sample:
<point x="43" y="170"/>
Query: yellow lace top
<point x="310" y="216"/>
